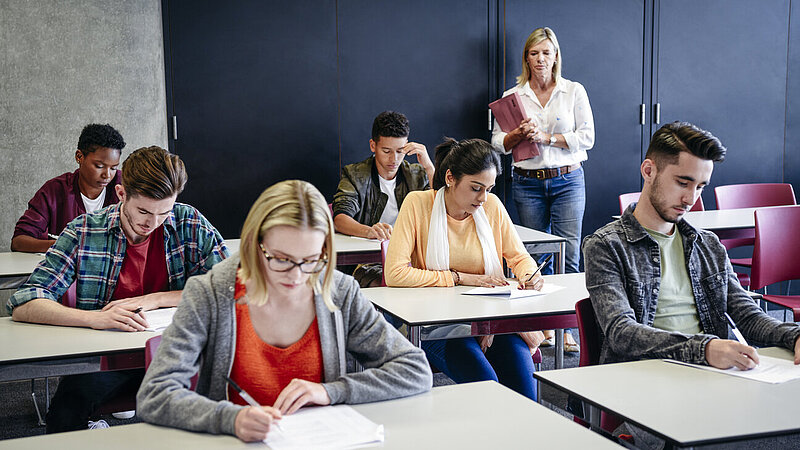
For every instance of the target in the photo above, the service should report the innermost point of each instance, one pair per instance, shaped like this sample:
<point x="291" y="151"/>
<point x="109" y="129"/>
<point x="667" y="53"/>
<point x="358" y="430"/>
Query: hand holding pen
<point x="253" y="424"/>
<point x="724" y="353"/>
<point x="535" y="281"/>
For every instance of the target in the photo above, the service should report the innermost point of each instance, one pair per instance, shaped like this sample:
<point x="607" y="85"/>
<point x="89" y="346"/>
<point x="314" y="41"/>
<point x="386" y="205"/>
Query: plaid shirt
<point x="91" y="249"/>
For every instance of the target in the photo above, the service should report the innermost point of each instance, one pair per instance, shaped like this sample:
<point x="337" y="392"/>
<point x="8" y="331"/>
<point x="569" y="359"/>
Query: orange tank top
<point x="264" y="370"/>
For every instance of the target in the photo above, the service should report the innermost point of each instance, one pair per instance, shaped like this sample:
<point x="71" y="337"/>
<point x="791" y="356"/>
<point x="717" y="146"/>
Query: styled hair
<point x="95" y="136"/>
<point x="676" y="137"/>
<point x="467" y="157"/>
<point x="390" y="124"/>
<point x="539" y="35"/>
<point x="294" y="203"/>
<point x="153" y="172"/>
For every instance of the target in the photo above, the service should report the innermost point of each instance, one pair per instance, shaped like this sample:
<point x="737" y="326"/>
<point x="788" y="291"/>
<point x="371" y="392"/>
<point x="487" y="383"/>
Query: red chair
<point x="627" y="199"/>
<point x="776" y="254"/>
<point x="754" y="195"/>
<point x="150" y="348"/>
<point x="589" y="332"/>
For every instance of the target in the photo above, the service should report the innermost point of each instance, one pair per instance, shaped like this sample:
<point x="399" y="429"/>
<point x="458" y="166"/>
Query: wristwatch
<point x="552" y="139"/>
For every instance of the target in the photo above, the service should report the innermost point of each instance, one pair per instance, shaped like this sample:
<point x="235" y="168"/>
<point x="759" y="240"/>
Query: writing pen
<point x="246" y="397"/>
<point x="544" y="263"/>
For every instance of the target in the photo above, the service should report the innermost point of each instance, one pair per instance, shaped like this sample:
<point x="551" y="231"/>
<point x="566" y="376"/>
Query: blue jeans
<point x="555" y="206"/>
<point x="508" y="361"/>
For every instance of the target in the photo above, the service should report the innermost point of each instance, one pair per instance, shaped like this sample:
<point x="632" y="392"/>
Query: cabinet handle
<point x="642" y="116"/>
<point x="490" y="120"/>
<point x="658" y="113"/>
<point x="175" y="127"/>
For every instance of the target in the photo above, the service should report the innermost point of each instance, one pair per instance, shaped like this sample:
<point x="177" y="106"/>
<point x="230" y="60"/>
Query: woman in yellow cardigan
<point x="458" y="233"/>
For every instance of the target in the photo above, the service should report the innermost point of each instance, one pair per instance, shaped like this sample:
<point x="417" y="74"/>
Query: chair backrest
<point x="589" y="333"/>
<point x="630" y="197"/>
<point x="150" y="348"/>
<point x="627" y="199"/>
<point x="384" y="249"/>
<point x="70" y="298"/>
<point x="776" y="253"/>
<point x="330" y="208"/>
<point x="754" y="195"/>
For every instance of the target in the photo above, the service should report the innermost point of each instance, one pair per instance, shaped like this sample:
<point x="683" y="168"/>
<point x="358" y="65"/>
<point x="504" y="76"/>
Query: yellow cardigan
<point x="410" y="240"/>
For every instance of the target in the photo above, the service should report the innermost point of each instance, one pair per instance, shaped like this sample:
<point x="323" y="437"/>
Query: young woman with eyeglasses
<point x="282" y="324"/>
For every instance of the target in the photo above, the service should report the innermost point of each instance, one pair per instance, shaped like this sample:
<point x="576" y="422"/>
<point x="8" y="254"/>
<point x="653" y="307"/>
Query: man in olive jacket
<point x="371" y="192"/>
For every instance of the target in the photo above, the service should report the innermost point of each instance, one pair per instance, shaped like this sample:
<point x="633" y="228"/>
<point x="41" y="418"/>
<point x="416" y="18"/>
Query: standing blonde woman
<point x="281" y="323"/>
<point x="549" y="189"/>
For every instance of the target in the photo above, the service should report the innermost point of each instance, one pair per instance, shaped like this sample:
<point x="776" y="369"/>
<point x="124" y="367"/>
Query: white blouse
<point x="567" y="113"/>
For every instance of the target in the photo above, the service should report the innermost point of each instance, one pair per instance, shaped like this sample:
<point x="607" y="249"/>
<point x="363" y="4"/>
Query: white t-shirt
<point x="389" y="214"/>
<point x="94" y="205"/>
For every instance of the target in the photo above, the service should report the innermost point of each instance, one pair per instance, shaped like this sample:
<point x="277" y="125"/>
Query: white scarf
<point x="437" y="255"/>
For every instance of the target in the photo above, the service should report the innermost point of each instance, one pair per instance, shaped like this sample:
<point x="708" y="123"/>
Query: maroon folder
<point x="509" y="112"/>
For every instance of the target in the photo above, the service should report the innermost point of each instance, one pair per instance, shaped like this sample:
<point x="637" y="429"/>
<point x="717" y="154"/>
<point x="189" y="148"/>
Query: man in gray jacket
<point x="660" y="287"/>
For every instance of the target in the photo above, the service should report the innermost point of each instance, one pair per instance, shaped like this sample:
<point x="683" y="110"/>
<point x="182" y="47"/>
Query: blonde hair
<point x="297" y="204"/>
<point x="539" y="35"/>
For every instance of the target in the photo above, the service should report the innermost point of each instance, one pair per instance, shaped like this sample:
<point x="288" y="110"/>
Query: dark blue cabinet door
<point x="428" y="60"/>
<point x="791" y="149"/>
<point x="254" y="90"/>
<point x="602" y="46"/>
<point x="722" y="65"/>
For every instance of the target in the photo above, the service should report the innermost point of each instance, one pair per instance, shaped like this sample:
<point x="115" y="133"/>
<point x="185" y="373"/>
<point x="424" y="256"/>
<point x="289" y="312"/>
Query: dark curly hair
<point x="95" y="136"/>
<point x="390" y="124"/>
<point x="467" y="157"/>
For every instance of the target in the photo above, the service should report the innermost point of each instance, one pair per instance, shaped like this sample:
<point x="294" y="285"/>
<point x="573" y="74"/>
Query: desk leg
<point x="593" y="416"/>
<point x="414" y="337"/>
<point x="559" y="350"/>
<point x="561" y="264"/>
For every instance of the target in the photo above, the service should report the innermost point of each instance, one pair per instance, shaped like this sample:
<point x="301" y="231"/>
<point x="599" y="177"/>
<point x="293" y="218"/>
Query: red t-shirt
<point x="263" y="370"/>
<point x="144" y="269"/>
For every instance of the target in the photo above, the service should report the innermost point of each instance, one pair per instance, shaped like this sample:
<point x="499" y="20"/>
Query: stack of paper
<point x="768" y="370"/>
<point x="513" y="291"/>
<point x="324" y="427"/>
<point x="158" y="319"/>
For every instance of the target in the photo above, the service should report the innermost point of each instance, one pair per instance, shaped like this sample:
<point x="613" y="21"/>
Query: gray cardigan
<point x="202" y="339"/>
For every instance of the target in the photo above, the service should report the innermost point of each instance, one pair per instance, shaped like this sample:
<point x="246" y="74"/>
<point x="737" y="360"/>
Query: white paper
<point x="158" y="319"/>
<point x="324" y="427"/>
<point x="768" y="370"/>
<point x="512" y="291"/>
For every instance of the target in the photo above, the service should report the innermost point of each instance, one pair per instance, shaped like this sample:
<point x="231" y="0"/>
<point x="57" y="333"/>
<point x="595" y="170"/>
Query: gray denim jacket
<point x="623" y="274"/>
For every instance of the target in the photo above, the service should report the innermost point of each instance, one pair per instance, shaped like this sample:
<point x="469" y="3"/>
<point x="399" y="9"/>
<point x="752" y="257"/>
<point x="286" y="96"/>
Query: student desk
<point x="33" y="351"/>
<point x="16" y="267"/>
<point x="473" y="415"/>
<point x="683" y="405"/>
<point x="428" y="306"/>
<point x="354" y="250"/>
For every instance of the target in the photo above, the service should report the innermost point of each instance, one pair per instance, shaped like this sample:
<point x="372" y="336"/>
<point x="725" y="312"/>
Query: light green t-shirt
<point x="676" y="310"/>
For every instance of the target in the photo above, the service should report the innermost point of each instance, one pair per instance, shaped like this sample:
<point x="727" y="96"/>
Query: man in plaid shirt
<point x="125" y="259"/>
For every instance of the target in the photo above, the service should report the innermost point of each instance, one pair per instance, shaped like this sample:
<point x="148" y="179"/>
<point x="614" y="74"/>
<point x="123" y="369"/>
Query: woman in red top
<point x="282" y="323"/>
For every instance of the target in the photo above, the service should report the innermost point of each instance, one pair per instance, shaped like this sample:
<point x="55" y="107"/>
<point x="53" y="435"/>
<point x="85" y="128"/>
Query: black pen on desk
<point x="544" y="263"/>
<point x="246" y="397"/>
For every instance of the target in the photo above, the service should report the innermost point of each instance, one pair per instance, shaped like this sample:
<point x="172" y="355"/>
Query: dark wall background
<point x="266" y="91"/>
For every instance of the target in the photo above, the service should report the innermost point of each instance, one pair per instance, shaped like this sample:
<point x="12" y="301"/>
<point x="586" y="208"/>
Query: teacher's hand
<point x="527" y="129"/>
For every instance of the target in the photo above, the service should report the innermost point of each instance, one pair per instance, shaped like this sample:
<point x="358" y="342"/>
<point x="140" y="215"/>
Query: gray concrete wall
<point x="64" y="64"/>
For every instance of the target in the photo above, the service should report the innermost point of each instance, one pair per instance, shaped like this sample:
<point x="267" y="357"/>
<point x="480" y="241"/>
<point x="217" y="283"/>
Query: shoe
<point x="100" y="424"/>
<point x="122" y="415"/>
<point x="548" y="342"/>
<point x="570" y="346"/>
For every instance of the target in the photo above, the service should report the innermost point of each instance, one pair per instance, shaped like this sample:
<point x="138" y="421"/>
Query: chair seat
<point x="787" y="301"/>
<point x="744" y="262"/>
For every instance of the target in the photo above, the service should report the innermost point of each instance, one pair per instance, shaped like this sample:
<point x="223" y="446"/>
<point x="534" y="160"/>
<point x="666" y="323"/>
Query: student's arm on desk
<point x="46" y="311"/>
<point x="29" y="244"/>
<point x="347" y="225"/>
<point x="605" y="282"/>
<point x="148" y="302"/>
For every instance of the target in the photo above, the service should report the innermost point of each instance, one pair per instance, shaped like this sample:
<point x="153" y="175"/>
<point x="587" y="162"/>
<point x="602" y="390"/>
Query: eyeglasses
<point x="285" y="264"/>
